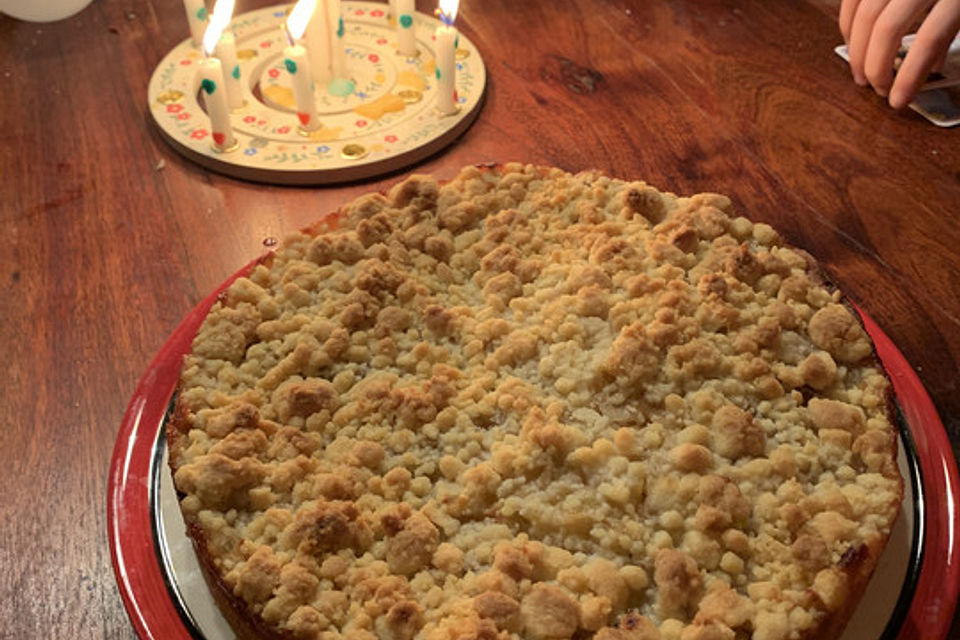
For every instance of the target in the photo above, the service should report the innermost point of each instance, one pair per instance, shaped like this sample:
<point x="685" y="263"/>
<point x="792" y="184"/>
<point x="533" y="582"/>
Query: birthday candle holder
<point x="380" y="119"/>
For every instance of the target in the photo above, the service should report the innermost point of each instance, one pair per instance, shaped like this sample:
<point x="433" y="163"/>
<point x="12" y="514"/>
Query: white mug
<point x="42" y="10"/>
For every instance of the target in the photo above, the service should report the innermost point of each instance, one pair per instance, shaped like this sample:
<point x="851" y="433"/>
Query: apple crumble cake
<point x="525" y="404"/>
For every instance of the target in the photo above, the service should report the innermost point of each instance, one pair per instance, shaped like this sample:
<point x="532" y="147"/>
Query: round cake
<point x="526" y="404"/>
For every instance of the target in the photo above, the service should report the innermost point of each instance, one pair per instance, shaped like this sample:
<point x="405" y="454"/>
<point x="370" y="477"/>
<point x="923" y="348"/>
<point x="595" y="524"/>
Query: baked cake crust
<point x="530" y="404"/>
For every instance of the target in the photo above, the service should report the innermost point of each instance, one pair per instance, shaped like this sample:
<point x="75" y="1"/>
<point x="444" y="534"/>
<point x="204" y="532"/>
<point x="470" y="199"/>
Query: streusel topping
<point x="537" y="405"/>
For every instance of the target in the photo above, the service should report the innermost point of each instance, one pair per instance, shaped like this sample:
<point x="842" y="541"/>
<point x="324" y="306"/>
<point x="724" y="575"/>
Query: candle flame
<point x="299" y="17"/>
<point x="448" y="11"/>
<point x="219" y="19"/>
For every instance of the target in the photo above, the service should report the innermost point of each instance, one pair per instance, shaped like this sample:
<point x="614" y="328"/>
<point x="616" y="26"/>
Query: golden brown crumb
<point x="530" y="405"/>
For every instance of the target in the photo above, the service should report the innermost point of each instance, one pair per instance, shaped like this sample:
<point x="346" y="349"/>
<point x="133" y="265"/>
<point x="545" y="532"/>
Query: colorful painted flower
<point x="174" y="108"/>
<point x="283" y="129"/>
<point x="373" y="58"/>
<point x="359" y="12"/>
<point x="260" y="123"/>
<point x="265" y="44"/>
<point x="199" y="134"/>
<point x="381" y="41"/>
<point x="323" y="149"/>
<point x="186" y="62"/>
<point x="279" y="14"/>
<point x="360" y="94"/>
<point x="376" y="13"/>
<point x="361" y="123"/>
<point x="183" y="116"/>
<point x="459" y="66"/>
<point x="390" y="138"/>
<point x="249" y="119"/>
<point x="250" y="151"/>
<point x="274" y="73"/>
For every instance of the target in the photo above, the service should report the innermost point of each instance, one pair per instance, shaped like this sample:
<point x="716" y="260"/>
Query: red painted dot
<point x="283" y="129"/>
<point x="185" y="63"/>
<point x="390" y="138"/>
<point x="359" y="12"/>
<point x="265" y="44"/>
<point x="381" y="41"/>
<point x="183" y="116"/>
<point x="249" y="119"/>
<point x="260" y="123"/>
<point x="373" y="57"/>
<point x="361" y="123"/>
<point x="376" y="13"/>
<point x="274" y="73"/>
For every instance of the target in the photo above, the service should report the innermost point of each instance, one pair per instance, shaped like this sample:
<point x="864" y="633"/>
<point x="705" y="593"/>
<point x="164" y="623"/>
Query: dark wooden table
<point x="109" y="237"/>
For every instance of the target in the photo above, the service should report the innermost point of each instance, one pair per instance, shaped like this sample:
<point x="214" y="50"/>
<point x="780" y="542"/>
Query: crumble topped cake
<point x="535" y="405"/>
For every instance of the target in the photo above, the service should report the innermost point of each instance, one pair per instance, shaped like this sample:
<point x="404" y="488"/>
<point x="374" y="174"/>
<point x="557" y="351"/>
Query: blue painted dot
<point x="323" y="149"/>
<point x="250" y="151"/>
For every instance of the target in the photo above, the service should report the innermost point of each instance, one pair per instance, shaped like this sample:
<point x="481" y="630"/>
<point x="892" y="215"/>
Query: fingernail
<point x="860" y="80"/>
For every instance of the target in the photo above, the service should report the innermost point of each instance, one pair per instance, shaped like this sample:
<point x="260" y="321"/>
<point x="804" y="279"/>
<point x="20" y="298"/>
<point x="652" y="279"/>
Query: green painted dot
<point x="340" y="29"/>
<point x="436" y="72"/>
<point x="236" y="72"/>
<point x="406" y="21"/>
<point x="291" y="65"/>
<point x="456" y="42"/>
<point x="208" y="85"/>
<point x="202" y="14"/>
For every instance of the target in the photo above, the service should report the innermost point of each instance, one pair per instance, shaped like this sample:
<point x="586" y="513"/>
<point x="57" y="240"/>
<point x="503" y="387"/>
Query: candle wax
<point x="196" y="18"/>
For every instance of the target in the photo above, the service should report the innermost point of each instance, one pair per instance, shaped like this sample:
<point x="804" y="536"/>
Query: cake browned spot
<point x="534" y="405"/>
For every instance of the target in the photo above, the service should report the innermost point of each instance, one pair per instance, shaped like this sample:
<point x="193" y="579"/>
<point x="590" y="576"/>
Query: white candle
<point x="210" y="81"/>
<point x="297" y="61"/>
<point x="227" y="53"/>
<point x="319" y="45"/>
<point x="406" y="35"/>
<point x="338" y="56"/>
<point x="392" y="14"/>
<point x="446" y="69"/>
<point x="196" y="18"/>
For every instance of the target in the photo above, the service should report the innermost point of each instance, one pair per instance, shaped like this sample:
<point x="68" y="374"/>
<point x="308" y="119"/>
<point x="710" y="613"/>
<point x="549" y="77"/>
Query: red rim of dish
<point x="155" y="616"/>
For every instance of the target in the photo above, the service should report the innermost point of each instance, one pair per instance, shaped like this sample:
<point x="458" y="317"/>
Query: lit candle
<point x="325" y="42"/>
<point x="298" y="65"/>
<point x="210" y="79"/>
<point x="406" y="36"/>
<point x="227" y="53"/>
<point x="196" y="18"/>
<point x="318" y="43"/>
<point x="446" y="69"/>
<point x="338" y="57"/>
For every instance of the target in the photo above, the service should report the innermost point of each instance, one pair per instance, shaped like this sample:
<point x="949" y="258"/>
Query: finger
<point x="866" y="15"/>
<point x="885" y="38"/>
<point x="933" y="39"/>
<point x="847" y="10"/>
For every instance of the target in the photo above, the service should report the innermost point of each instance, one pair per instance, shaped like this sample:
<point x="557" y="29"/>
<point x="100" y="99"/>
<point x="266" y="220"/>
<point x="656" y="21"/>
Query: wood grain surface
<point x="109" y="237"/>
